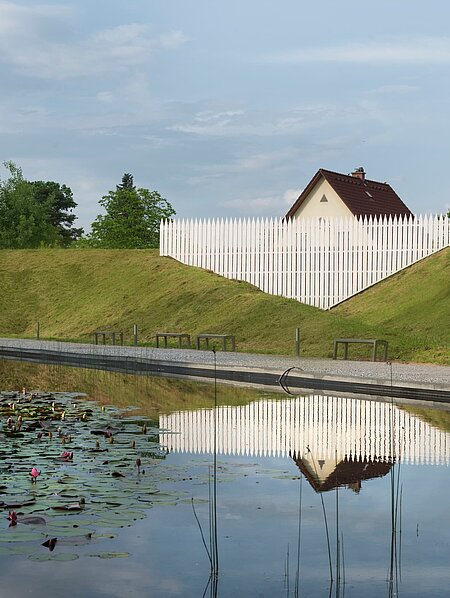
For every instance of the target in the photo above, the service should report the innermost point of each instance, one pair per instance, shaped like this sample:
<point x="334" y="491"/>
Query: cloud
<point x="29" y="42"/>
<point x="250" y="122"/>
<point x="424" y="50"/>
<point x="271" y="205"/>
<point x="392" y="90"/>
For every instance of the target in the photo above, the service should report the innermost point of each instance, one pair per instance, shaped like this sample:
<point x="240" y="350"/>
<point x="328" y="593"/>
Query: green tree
<point x="58" y="203"/>
<point x="132" y="217"/>
<point x="35" y="213"/>
<point x="23" y="221"/>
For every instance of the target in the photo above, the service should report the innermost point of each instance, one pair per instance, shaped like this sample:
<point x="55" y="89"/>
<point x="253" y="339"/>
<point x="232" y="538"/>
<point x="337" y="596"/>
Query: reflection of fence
<point x="316" y="261"/>
<point x="332" y="427"/>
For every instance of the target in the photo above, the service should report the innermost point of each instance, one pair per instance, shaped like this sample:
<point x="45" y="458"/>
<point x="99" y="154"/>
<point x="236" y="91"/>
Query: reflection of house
<point x="326" y="474"/>
<point x="350" y="432"/>
<point x="330" y="195"/>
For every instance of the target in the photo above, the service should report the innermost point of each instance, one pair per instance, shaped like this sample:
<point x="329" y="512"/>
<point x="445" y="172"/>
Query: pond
<point x="278" y="495"/>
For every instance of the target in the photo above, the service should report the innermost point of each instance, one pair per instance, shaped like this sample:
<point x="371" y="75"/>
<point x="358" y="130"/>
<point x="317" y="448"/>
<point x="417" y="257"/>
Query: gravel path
<point x="418" y="375"/>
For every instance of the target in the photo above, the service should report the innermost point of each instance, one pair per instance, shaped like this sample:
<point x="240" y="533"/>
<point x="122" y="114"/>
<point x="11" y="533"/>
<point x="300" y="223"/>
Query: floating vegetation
<point x="70" y="471"/>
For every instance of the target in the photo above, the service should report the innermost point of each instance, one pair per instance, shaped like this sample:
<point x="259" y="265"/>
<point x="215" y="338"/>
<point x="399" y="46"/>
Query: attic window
<point x="369" y="194"/>
<point x="324" y="199"/>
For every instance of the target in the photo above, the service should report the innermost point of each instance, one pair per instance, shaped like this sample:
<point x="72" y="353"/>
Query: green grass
<point x="74" y="292"/>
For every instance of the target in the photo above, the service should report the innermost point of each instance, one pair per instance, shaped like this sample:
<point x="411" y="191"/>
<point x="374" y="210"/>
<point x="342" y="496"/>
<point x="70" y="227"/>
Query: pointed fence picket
<point x="320" y="262"/>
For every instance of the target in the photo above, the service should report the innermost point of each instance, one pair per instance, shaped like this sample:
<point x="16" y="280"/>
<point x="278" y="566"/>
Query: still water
<point x="314" y="496"/>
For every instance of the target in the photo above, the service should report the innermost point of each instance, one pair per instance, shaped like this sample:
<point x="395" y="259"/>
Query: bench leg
<point x="345" y="350"/>
<point x="335" y="350"/>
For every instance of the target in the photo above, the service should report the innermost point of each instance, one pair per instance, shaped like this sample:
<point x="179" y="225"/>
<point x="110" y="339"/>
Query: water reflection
<point x="385" y="536"/>
<point x="335" y="441"/>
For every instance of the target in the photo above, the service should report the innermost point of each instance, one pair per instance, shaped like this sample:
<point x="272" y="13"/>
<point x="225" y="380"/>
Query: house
<point x="329" y="473"/>
<point x="330" y="195"/>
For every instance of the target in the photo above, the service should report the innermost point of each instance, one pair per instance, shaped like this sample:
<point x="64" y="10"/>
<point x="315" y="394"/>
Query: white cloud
<point x="29" y="43"/>
<point x="105" y="96"/>
<point x="238" y="122"/>
<point x="172" y="40"/>
<point x="269" y="205"/>
<point x="393" y="89"/>
<point x="424" y="50"/>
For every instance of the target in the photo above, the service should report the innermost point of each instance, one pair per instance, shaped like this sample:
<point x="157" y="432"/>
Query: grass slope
<point x="74" y="292"/>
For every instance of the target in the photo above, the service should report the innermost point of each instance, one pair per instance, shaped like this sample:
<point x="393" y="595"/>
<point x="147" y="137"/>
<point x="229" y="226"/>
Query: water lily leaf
<point x="111" y="555"/>
<point x="58" y="556"/>
<point x="16" y="503"/>
<point x="70" y="507"/>
<point x="20" y="534"/>
<point x="31" y="520"/>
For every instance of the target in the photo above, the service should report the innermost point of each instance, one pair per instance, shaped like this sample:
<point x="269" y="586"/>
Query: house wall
<point x="312" y="207"/>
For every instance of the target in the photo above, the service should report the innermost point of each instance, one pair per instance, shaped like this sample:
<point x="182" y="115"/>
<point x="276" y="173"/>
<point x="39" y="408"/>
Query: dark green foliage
<point x="35" y="213"/>
<point x="57" y="201"/>
<point x="127" y="182"/>
<point x="132" y="218"/>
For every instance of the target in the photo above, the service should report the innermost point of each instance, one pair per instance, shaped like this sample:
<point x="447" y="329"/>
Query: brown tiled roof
<point x="348" y="472"/>
<point x="362" y="197"/>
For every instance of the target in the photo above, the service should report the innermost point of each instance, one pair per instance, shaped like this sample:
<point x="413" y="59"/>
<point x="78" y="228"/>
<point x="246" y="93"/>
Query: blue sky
<point x="227" y="108"/>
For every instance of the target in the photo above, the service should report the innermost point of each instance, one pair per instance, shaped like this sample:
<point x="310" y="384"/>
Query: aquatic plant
<point x="83" y="492"/>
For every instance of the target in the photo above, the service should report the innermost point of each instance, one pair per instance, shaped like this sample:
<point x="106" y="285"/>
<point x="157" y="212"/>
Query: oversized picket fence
<point x="320" y="262"/>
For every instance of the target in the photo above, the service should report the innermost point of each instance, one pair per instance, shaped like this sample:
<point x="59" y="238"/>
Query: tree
<point x="23" y="222"/>
<point x="57" y="201"/>
<point x="132" y="217"/>
<point x="33" y="214"/>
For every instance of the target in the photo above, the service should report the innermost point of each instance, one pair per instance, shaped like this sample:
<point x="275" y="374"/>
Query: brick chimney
<point x="359" y="173"/>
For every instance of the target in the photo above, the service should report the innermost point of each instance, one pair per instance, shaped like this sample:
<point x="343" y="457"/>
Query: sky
<point x="227" y="109"/>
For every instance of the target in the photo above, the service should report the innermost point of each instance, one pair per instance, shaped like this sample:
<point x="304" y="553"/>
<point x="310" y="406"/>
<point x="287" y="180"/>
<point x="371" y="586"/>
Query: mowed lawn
<point x="75" y="292"/>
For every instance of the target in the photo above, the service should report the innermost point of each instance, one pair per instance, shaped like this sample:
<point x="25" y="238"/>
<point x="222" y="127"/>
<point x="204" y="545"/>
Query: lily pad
<point x="58" y="556"/>
<point x="111" y="555"/>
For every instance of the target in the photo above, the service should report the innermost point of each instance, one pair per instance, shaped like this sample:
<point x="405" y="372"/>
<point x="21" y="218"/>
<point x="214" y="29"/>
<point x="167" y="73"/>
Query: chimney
<point x="359" y="173"/>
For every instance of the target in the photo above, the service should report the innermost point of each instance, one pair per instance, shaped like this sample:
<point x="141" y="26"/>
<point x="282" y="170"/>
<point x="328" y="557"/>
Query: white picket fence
<point x="316" y="261"/>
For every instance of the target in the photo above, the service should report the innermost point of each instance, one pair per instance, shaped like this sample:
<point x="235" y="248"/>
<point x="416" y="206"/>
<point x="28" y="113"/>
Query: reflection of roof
<point x="362" y="196"/>
<point x="348" y="472"/>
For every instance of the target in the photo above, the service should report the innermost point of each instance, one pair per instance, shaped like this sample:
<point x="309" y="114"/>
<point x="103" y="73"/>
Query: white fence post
<point x="316" y="261"/>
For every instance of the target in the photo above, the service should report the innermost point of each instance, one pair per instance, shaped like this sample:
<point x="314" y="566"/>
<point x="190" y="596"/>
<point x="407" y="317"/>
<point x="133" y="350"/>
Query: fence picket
<point x="319" y="262"/>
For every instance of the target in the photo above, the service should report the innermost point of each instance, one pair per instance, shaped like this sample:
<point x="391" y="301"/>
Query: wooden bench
<point x="179" y="335"/>
<point x="223" y="337"/>
<point x="105" y="333"/>
<point x="366" y="341"/>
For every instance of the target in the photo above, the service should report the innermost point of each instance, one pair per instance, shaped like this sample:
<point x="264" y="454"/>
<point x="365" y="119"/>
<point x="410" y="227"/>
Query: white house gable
<point x="322" y="202"/>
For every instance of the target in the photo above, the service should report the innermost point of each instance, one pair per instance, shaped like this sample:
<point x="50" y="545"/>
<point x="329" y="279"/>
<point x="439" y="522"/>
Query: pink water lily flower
<point x="12" y="518"/>
<point x="35" y="473"/>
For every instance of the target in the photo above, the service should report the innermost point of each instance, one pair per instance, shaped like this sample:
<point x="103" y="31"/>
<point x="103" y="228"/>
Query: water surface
<point x="374" y="474"/>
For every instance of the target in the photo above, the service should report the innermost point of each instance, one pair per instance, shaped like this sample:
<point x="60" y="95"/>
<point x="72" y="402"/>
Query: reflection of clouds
<point x="88" y="576"/>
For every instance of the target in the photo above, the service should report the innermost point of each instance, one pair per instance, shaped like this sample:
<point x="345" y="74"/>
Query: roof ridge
<point x="354" y="179"/>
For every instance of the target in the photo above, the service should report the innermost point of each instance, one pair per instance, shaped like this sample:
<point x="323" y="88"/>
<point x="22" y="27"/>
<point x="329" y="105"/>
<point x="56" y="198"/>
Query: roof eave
<point x="304" y="194"/>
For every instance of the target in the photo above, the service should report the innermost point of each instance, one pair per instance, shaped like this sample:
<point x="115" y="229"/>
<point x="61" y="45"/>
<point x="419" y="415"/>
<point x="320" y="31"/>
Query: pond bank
<point x="411" y="381"/>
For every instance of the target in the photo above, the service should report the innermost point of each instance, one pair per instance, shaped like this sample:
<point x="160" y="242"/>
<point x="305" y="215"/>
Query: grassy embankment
<point x="74" y="292"/>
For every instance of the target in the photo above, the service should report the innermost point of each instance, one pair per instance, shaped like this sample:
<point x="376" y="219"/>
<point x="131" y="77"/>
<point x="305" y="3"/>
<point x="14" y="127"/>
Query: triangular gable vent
<point x="324" y="199"/>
